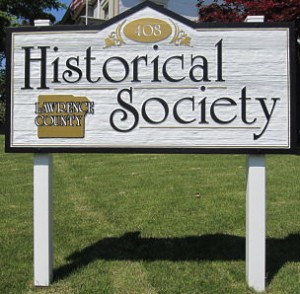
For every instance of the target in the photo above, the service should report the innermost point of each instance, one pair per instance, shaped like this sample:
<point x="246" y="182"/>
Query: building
<point x="101" y="10"/>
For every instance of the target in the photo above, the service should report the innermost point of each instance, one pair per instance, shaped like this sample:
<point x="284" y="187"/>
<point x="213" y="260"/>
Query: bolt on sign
<point x="152" y="81"/>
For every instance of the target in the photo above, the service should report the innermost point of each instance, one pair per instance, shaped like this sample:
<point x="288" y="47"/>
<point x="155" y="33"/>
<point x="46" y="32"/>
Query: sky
<point x="60" y="13"/>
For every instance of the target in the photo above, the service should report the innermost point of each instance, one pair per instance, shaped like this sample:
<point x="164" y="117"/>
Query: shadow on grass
<point x="216" y="247"/>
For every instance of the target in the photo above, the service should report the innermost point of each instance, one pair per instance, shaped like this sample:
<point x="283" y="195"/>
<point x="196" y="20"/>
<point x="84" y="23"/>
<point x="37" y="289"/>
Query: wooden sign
<point x="152" y="81"/>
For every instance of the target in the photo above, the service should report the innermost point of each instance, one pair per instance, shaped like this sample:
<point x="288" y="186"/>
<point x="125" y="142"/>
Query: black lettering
<point x="175" y="110"/>
<point x="219" y="46"/>
<point x="43" y="68"/>
<point x="244" y="100"/>
<point x="128" y="107"/>
<point x="135" y="63"/>
<point x="267" y="113"/>
<point x="203" y="68"/>
<point x="89" y="59"/>
<point x="125" y="66"/>
<point x="155" y="70"/>
<point x="165" y="72"/>
<point x="202" y="104"/>
<point x="71" y="69"/>
<point x="164" y="105"/>
<point x="222" y="102"/>
<point x="55" y="64"/>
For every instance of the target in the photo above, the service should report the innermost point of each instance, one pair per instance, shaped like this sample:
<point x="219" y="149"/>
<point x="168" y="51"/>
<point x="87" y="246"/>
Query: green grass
<point x="149" y="224"/>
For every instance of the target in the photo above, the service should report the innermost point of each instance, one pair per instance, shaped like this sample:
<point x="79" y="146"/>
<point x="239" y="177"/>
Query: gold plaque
<point x="147" y="30"/>
<point x="62" y="116"/>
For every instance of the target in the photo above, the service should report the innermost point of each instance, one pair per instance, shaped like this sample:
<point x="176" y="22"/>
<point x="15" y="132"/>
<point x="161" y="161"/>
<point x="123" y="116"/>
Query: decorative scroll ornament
<point x="115" y="38"/>
<point x="181" y="38"/>
<point x="147" y="30"/>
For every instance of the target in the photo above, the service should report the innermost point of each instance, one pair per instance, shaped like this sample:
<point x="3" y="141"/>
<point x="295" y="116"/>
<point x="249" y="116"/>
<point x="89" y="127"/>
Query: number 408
<point x="148" y="30"/>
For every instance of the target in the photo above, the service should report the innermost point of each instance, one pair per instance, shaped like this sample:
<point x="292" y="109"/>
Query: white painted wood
<point x="42" y="213"/>
<point x="43" y="220"/>
<point x="256" y="214"/>
<point x="41" y="22"/>
<point x="255" y="58"/>
<point x="256" y="222"/>
<point x="255" y="18"/>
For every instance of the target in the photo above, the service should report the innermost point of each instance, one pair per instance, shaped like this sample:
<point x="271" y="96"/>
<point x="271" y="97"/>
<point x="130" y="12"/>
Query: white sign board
<point x="149" y="81"/>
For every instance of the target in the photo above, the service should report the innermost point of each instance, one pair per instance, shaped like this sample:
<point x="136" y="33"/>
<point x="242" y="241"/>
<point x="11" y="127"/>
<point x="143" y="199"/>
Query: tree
<point x="15" y="13"/>
<point x="236" y="10"/>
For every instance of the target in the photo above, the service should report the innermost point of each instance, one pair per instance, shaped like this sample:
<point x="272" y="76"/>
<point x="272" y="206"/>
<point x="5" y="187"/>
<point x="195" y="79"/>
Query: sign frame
<point x="293" y="75"/>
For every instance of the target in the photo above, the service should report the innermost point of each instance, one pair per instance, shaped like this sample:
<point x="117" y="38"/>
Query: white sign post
<point x="43" y="247"/>
<point x="256" y="222"/>
<point x="256" y="214"/>
<point x="42" y="213"/>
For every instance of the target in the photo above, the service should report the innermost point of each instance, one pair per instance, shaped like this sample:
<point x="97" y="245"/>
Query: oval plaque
<point x="147" y="30"/>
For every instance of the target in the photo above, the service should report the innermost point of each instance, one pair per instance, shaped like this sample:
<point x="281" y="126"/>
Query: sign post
<point x="43" y="241"/>
<point x="42" y="213"/>
<point x="256" y="222"/>
<point x="256" y="214"/>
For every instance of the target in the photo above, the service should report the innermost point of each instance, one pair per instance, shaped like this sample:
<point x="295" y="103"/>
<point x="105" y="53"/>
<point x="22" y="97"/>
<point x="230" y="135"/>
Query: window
<point x="106" y="11"/>
<point x="90" y="11"/>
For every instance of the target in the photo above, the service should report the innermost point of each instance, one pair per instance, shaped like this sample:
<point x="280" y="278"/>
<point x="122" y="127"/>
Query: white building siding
<point x="96" y="10"/>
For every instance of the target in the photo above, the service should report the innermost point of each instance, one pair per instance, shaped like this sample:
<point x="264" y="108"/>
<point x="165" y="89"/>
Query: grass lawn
<point x="149" y="224"/>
